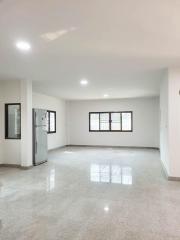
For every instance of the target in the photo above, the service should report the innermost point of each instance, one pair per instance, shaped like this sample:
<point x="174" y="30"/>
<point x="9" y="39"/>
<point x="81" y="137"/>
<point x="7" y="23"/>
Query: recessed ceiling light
<point x="23" y="46"/>
<point x="84" y="82"/>
<point x="106" y="95"/>
<point x="106" y="209"/>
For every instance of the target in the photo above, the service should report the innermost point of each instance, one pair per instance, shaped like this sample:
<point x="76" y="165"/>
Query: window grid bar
<point x="110" y="121"/>
<point x="121" y="121"/>
<point x="99" y="123"/>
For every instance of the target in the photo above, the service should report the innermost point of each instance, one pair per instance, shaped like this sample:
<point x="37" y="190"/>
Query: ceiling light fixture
<point x="84" y="82"/>
<point x="106" y="209"/>
<point x="23" y="46"/>
<point x="106" y="95"/>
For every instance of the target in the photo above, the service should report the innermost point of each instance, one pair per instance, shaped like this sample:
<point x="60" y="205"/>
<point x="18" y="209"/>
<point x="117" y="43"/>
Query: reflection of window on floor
<point x="51" y="180"/>
<point x="111" y="174"/>
<point x="68" y="152"/>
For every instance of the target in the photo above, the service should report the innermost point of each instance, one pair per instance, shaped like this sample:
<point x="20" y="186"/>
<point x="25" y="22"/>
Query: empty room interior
<point x="89" y="120"/>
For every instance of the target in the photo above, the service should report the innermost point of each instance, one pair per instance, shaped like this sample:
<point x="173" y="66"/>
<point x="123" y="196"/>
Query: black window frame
<point x="110" y="121"/>
<point x="6" y="120"/>
<point x="48" y="127"/>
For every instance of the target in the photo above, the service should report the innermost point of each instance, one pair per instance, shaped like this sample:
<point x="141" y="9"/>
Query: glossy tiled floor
<point x="90" y="194"/>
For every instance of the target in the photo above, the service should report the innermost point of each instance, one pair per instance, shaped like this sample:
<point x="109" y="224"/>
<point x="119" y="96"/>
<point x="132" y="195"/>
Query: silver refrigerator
<point x="40" y="152"/>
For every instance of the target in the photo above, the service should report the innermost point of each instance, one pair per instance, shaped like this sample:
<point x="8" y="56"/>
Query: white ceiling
<point x="120" y="46"/>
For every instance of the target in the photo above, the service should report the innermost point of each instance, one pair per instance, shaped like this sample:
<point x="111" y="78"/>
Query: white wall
<point x="170" y="122"/>
<point x="174" y="122"/>
<point x="1" y="130"/>
<point x="10" y="149"/>
<point x="19" y="152"/>
<point x="164" y="121"/>
<point x="145" y="122"/>
<point x="41" y="101"/>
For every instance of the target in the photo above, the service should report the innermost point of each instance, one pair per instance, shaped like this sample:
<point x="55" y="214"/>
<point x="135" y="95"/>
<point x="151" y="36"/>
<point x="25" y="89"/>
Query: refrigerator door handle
<point x="35" y="133"/>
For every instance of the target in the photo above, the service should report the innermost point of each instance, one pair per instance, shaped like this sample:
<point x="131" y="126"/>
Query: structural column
<point x="174" y="122"/>
<point x="26" y="123"/>
<point x="170" y="123"/>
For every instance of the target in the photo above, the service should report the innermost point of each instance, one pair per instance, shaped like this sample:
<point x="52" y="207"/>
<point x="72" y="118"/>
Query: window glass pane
<point x="52" y="121"/>
<point x="115" y="121"/>
<point x="94" y="121"/>
<point x="13" y="121"/>
<point x="126" y="121"/>
<point x="104" y="121"/>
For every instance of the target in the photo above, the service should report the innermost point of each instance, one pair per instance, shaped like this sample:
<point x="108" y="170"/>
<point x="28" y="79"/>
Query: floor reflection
<point x="68" y="152"/>
<point x="51" y="180"/>
<point x="111" y="174"/>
